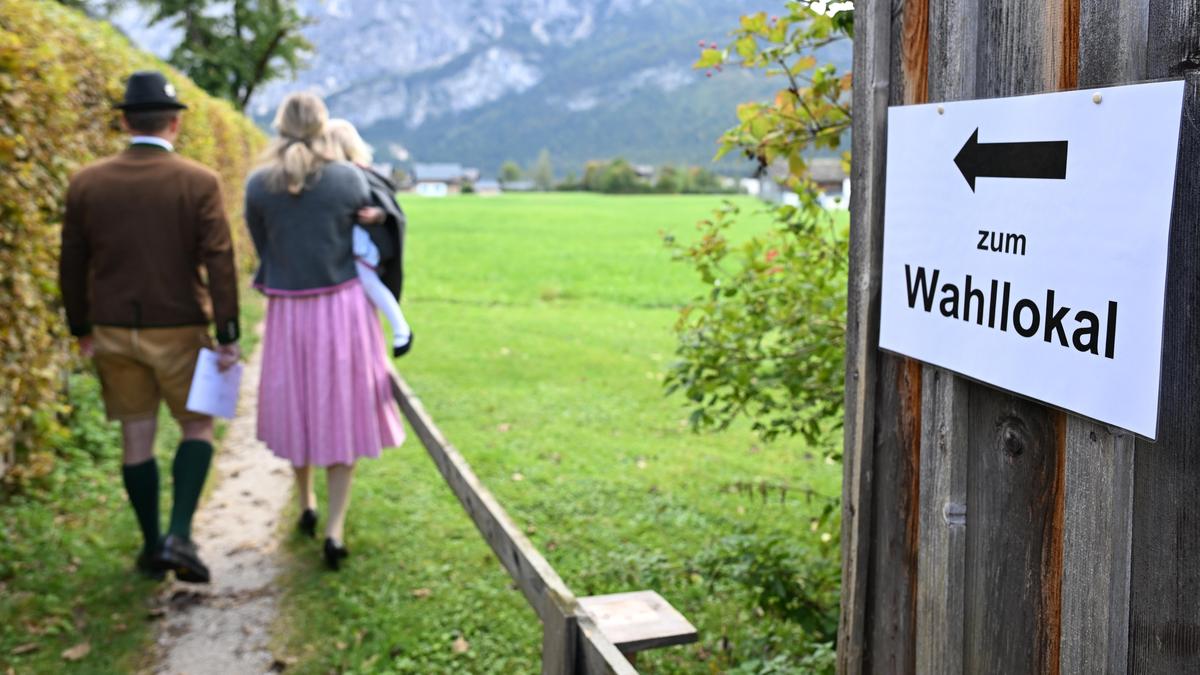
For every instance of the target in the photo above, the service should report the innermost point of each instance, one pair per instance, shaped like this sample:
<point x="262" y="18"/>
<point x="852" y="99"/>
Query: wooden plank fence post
<point x="1047" y="542"/>
<point x="941" y="581"/>
<point x="1165" y="562"/>
<point x="1015" y="448"/>
<point x="1098" y="519"/>
<point x="872" y="30"/>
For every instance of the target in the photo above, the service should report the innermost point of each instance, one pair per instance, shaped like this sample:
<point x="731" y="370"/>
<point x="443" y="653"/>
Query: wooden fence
<point x="984" y="533"/>
<point x="572" y="641"/>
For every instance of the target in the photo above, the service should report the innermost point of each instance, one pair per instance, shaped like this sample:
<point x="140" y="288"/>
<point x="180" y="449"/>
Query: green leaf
<point x="710" y="58"/>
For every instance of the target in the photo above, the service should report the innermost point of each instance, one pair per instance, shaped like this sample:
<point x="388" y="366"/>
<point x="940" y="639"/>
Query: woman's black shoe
<point x="334" y="554"/>
<point x="308" y="523"/>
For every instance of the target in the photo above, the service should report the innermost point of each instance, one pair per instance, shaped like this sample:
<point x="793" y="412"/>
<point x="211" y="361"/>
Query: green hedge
<point x="60" y="74"/>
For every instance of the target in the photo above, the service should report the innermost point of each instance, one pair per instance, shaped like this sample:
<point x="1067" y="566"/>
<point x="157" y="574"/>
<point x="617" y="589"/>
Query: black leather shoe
<point x="308" y="523"/>
<point x="180" y="555"/>
<point x="146" y="566"/>
<point x="334" y="554"/>
<point x="397" y="352"/>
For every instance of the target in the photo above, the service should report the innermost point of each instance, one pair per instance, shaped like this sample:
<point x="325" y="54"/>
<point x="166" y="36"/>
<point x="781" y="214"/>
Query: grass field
<point x="543" y="327"/>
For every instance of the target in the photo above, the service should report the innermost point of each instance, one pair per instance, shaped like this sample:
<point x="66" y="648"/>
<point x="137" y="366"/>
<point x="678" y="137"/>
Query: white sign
<point x="1025" y="243"/>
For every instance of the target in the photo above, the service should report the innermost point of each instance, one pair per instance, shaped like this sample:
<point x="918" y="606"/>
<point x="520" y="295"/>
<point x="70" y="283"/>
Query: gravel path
<point x="224" y="628"/>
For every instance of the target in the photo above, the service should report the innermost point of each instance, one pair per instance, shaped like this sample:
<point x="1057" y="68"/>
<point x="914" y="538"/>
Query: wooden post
<point x="1047" y="542"/>
<point x="1165" y="562"/>
<point x="872" y="30"/>
<point x="559" y="640"/>
<point x="942" y="551"/>
<point x="1098" y="519"/>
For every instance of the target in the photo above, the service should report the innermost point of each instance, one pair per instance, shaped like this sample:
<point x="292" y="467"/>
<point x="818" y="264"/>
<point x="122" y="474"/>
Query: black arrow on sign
<point x="1038" y="159"/>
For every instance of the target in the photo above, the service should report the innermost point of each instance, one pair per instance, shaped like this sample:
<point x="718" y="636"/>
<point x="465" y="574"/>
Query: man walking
<point x="147" y="263"/>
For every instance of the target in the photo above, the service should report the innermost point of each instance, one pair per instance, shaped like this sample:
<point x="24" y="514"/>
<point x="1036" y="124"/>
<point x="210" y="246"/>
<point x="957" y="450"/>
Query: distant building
<point x="426" y="178"/>
<point x="431" y="189"/>
<point x="827" y="172"/>
<point x="644" y="171"/>
<point x="519" y="186"/>
<point x="487" y="188"/>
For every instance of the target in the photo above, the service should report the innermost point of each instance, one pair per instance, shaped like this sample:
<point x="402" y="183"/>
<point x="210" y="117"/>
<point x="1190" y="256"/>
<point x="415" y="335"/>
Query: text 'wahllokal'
<point x="1024" y="315"/>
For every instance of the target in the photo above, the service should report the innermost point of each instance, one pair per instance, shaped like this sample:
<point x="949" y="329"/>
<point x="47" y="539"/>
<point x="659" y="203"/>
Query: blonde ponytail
<point x="297" y="154"/>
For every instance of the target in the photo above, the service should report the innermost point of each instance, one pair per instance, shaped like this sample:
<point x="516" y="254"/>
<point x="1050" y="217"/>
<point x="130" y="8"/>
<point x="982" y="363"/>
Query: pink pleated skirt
<point x="325" y="395"/>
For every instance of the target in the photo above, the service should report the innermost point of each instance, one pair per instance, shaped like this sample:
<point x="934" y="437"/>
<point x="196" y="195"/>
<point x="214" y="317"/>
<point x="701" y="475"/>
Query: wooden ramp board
<point x="638" y="620"/>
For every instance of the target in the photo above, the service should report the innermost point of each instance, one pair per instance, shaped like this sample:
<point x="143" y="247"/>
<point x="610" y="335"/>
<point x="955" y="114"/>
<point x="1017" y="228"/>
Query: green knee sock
<point x="141" y="484"/>
<point x="189" y="471"/>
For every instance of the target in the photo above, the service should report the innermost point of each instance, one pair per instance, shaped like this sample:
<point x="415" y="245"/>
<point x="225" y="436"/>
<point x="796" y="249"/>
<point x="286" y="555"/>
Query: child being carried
<point x="345" y="144"/>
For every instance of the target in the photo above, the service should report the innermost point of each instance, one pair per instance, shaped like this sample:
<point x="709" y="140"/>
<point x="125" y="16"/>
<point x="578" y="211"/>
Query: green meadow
<point x="543" y="327"/>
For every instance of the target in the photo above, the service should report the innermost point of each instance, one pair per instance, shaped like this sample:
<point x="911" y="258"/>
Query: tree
<point x="510" y="171"/>
<point x="668" y="180"/>
<point x="232" y="48"/>
<point x="699" y="180"/>
<point x="619" y="177"/>
<point x="543" y="171"/>
<point x="765" y="340"/>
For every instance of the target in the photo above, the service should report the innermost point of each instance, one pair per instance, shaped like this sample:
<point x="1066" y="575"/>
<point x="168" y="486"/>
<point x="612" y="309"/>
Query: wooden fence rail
<point x="572" y="642"/>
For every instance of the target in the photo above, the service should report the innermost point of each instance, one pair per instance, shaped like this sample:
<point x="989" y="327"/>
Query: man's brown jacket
<point x="146" y="244"/>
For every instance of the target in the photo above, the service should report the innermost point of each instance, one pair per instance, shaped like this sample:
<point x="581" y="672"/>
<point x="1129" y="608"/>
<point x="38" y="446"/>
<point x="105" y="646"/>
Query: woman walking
<point x="325" y="393"/>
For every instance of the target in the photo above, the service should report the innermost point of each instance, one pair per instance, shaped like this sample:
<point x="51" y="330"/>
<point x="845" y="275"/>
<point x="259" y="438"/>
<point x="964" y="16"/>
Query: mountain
<point x="484" y="81"/>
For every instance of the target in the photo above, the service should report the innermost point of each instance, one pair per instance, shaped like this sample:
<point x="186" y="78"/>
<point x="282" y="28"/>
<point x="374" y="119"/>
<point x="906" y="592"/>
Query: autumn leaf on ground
<point x="25" y="648"/>
<point x="421" y="592"/>
<point x="77" y="652"/>
<point x="460" y="645"/>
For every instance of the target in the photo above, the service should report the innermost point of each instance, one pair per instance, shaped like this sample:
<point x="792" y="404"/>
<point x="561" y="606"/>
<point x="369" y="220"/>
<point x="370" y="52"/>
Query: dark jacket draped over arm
<point x="388" y="236"/>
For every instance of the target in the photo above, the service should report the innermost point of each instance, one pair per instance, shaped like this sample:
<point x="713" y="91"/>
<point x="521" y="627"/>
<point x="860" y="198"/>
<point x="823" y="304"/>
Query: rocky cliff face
<point x="481" y="81"/>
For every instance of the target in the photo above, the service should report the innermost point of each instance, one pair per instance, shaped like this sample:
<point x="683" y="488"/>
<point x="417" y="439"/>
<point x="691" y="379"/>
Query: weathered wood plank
<point x="954" y="27"/>
<point x="1015" y="469"/>
<point x="910" y="47"/>
<point x="1014" y="534"/>
<point x="541" y="585"/>
<point x="560" y="643"/>
<point x="1112" y="41"/>
<point x="570" y="638"/>
<point x="872" y="29"/>
<point x="596" y="655"/>
<point x="1064" y="47"/>
<point x="638" y="620"/>
<point x="1098" y="513"/>
<point x="892" y="603"/>
<point x="1096" y="546"/>
<point x="953" y="45"/>
<point x="1174" y="45"/>
<point x="943" y="537"/>
<point x="1165" y="616"/>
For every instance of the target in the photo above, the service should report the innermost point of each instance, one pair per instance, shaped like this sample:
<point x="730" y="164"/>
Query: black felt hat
<point x="150" y="90"/>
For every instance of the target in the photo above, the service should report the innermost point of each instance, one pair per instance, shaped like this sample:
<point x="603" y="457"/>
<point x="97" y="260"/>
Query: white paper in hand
<point x="214" y="392"/>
